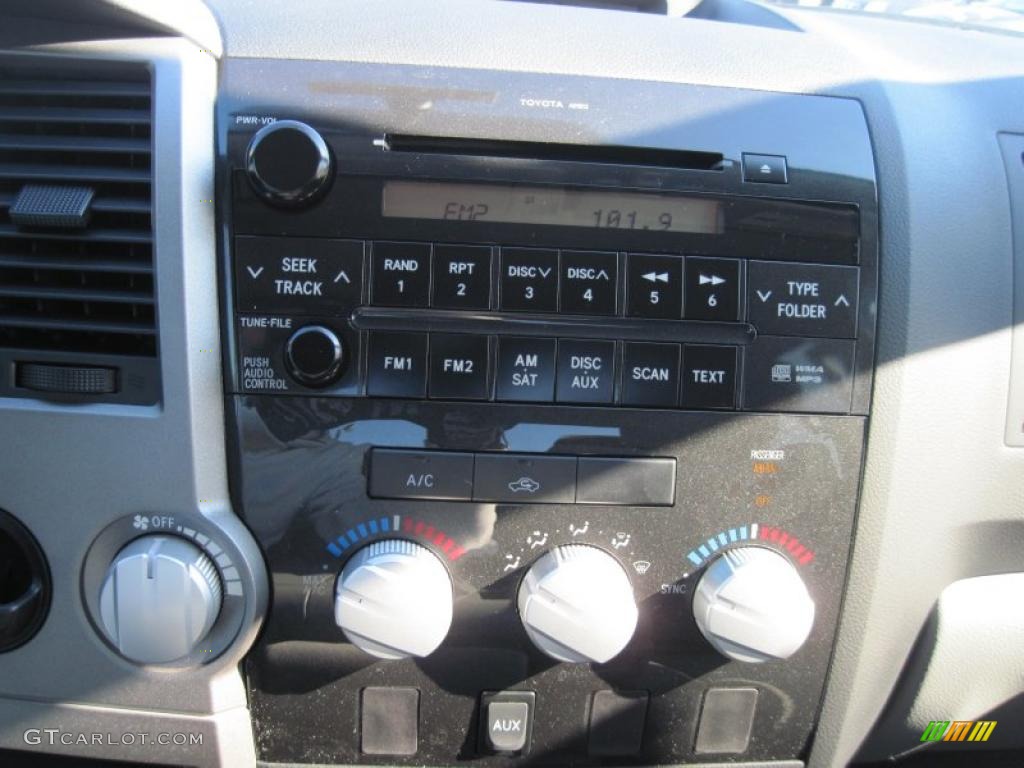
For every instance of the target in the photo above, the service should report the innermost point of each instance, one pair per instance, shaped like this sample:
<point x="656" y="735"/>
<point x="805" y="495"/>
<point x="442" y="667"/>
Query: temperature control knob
<point x="160" y="598"/>
<point x="577" y="604"/>
<point x="752" y="605"/>
<point x="314" y="355"/>
<point x="394" y="600"/>
<point x="288" y="163"/>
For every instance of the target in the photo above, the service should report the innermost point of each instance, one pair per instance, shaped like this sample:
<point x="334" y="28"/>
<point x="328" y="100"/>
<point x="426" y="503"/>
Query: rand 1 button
<point x="803" y="299"/>
<point x="709" y="376"/>
<point x="650" y="375"/>
<point x="526" y="370"/>
<point x="529" y="279"/>
<point x="589" y="281"/>
<point x="298" y="275"/>
<point x="654" y="286"/>
<point x="458" y="366"/>
<point x="401" y="274"/>
<point x="586" y="371"/>
<point x="462" y="276"/>
<point x="437" y="475"/>
<point x="397" y="365"/>
<point x="524" y="479"/>
<point x="712" y="289"/>
<point x="798" y="375"/>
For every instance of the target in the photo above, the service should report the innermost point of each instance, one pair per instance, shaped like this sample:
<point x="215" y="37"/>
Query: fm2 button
<point x="458" y="367"/>
<point x="803" y="299"/>
<point x="298" y="275"/>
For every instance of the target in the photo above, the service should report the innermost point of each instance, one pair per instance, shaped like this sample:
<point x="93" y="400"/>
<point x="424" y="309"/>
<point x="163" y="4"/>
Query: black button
<point x="506" y="724"/>
<point x="650" y="375"/>
<point x="803" y="299"/>
<point x="401" y="274"/>
<point x="298" y="275"/>
<point x="712" y="290"/>
<point x="803" y="375"/>
<point x="726" y="720"/>
<point x="709" y="377"/>
<point x="617" y="722"/>
<point x="640" y="482"/>
<point x="314" y="355"/>
<point x="589" y="281"/>
<point x="458" y="366"/>
<point x="435" y="475"/>
<point x="655" y="286"/>
<point x="529" y="279"/>
<point x="527" y="479"/>
<point x="397" y="365"/>
<point x="765" y="169"/>
<point x="526" y="370"/>
<point x="586" y="371"/>
<point x="389" y="721"/>
<point x="462" y="277"/>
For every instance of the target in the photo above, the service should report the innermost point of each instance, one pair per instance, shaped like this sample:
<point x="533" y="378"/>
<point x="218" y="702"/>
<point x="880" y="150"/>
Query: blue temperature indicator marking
<point x="703" y="551"/>
<point x="333" y="549"/>
<point x="743" y="532"/>
<point x="352" y="536"/>
<point x="362" y="531"/>
<point x="732" y="534"/>
<point x="695" y="558"/>
<point x="373" y="526"/>
<point x="385" y="524"/>
<point x="713" y="544"/>
<point x="722" y="540"/>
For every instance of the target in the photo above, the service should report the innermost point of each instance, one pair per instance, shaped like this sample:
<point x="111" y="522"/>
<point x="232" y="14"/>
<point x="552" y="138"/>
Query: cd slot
<point x="497" y="323"/>
<point x="535" y="150"/>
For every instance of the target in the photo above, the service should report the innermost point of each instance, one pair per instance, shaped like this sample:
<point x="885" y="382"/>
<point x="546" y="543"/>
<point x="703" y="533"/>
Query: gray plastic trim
<point x="1012" y="146"/>
<point x="68" y="472"/>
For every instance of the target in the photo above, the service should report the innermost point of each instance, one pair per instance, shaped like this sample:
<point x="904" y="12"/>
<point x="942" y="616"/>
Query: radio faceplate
<point x="492" y="334"/>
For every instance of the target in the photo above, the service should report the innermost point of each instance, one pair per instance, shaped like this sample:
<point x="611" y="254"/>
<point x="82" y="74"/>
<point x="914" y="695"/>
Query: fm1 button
<point x="397" y="365"/>
<point x="458" y="367"/>
<point x="526" y="370"/>
<point x="529" y="279"/>
<point x="586" y="371"/>
<point x="803" y="299"/>
<point x="589" y="280"/>
<point x="712" y="289"/>
<point x="654" y="286"/>
<point x="507" y="723"/>
<point x="401" y="274"/>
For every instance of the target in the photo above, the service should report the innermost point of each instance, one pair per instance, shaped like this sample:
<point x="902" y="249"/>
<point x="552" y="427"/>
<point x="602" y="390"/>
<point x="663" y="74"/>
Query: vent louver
<point x="78" y="289"/>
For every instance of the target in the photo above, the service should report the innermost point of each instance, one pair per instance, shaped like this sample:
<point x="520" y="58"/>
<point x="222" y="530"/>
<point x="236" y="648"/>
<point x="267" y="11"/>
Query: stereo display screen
<point x="551" y="206"/>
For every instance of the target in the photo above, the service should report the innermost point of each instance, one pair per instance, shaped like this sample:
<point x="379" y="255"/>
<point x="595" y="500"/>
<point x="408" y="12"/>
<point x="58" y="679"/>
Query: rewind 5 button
<point x="655" y="286"/>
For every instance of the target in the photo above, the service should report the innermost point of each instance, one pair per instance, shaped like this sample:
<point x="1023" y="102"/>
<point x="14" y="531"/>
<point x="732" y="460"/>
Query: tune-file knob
<point x="394" y="600"/>
<point x="577" y="604"/>
<point x="160" y="598"/>
<point x="752" y="605"/>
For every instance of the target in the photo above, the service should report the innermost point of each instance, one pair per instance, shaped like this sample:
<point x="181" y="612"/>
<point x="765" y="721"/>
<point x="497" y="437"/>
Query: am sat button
<point x="397" y="474"/>
<point x="803" y="299"/>
<point x="526" y="370"/>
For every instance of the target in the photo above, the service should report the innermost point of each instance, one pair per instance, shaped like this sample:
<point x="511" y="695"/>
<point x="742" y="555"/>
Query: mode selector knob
<point x="314" y="355"/>
<point x="752" y="605"/>
<point x="289" y="163"/>
<point x="577" y="604"/>
<point x="394" y="599"/>
<point x="160" y="598"/>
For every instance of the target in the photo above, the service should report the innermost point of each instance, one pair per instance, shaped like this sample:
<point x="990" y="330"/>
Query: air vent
<point x="76" y="235"/>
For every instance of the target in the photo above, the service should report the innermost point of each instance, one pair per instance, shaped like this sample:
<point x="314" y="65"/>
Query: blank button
<point x="617" y="722"/>
<point x="390" y="721"/>
<point x="640" y="482"/>
<point x="726" y="720"/>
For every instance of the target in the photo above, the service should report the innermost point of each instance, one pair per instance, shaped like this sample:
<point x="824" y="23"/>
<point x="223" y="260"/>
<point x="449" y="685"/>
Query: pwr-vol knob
<point x="752" y="605"/>
<point x="160" y="598"/>
<point x="393" y="599"/>
<point x="288" y="163"/>
<point x="577" y="604"/>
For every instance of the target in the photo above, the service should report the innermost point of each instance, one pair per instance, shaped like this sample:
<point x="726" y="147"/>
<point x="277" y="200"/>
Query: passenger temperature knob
<point x="576" y="603"/>
<point x="394" y="600"/>
<point x="752" y="605"/>
<point x="160" y="598"/>
<point x="289" y="163"/>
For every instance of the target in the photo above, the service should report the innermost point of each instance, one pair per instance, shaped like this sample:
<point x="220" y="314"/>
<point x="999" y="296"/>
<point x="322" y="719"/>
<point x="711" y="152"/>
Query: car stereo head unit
<point x="548" y="398"/>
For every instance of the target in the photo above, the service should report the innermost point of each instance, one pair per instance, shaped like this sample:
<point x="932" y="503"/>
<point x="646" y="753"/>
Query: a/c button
<point x="397" y="474"/>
